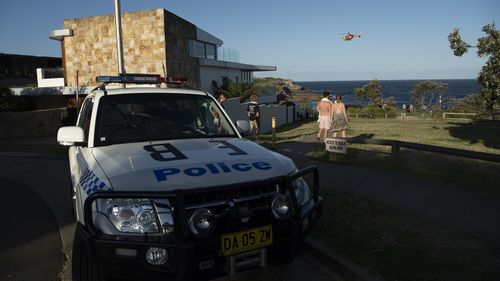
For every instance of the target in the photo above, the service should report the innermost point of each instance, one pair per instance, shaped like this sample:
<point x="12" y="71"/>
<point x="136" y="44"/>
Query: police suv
<point x="165" y="188"/>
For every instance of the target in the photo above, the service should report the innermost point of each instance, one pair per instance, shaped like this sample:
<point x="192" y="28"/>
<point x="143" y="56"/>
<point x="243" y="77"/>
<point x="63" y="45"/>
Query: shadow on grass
<point x="363" y="136"/>
<point x="427" y="165"/>
<point x="486" y="132"/>
<point x="400" y="246"/>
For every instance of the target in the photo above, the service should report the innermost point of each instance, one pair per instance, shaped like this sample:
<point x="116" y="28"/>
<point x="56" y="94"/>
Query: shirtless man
<point x="324" y="109"/>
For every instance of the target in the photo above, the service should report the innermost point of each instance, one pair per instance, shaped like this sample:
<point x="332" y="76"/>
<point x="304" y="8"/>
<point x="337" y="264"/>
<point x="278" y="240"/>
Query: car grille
<point x="235" y="208"/>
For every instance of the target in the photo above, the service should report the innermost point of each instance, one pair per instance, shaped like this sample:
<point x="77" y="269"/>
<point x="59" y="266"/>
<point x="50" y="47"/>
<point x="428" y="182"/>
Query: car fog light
<point x="281" y="206"/>
<point x="156" y="256"/>
<point x="202" y="222"/>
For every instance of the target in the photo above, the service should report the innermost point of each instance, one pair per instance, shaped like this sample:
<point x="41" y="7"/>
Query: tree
<point x="489" y="76"/>
<point x="427" y="94"/>
<point x="231" y="90"/>
<point x="372" y="91"/>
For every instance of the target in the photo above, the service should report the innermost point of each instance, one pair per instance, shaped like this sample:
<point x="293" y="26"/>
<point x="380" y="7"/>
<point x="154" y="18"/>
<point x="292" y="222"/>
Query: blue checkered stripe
<point x="89" y="181"/>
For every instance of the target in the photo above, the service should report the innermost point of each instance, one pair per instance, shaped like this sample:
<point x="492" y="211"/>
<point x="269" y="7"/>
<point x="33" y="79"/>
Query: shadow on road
<point x="30" y="244"/>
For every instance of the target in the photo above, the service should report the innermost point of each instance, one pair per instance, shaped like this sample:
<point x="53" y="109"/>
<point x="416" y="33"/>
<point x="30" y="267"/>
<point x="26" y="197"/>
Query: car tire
<point x="84" y="267"/>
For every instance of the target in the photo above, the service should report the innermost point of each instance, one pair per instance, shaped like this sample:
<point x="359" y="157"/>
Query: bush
<point x="472" y="104"/>
<point x="10" y="102"/>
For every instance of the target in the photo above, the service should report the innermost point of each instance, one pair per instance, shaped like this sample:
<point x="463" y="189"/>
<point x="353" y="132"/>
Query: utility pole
<point x="119" y="47"/>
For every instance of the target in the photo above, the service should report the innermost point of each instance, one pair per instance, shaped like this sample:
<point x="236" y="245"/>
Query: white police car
<point x="166" y="188"/>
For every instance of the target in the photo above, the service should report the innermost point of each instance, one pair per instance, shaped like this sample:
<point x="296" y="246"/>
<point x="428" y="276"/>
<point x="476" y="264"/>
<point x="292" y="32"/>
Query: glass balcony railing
<point x="228" y="54"/>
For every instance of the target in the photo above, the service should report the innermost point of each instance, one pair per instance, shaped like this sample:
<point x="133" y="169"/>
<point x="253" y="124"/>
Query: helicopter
<point x="349" y="36"/>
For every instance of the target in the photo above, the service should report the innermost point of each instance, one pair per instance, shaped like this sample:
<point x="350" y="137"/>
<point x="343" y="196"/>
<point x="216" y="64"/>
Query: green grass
<point x="460" y="133"/>
<point x="400" y="246"/>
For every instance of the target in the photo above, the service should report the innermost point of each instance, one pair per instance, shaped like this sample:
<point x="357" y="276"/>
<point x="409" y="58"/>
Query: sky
<point x="302" y="38"/>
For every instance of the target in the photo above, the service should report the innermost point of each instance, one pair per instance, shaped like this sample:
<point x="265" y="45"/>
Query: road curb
<point x="340" y="265"/>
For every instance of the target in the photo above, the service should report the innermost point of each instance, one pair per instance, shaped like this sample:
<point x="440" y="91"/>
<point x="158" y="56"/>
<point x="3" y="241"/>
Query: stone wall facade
<point x="92" y="49"/>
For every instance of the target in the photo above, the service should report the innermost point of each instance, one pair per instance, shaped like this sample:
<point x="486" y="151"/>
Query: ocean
<point x="399" y="89"/>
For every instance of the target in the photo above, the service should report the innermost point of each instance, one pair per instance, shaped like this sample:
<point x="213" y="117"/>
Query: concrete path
<point x="475" y="212"/>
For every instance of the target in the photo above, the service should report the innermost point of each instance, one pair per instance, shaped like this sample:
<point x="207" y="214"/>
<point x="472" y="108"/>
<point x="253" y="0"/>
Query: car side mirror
<point x="70" y="135"/>
<point x="243" y="126"/>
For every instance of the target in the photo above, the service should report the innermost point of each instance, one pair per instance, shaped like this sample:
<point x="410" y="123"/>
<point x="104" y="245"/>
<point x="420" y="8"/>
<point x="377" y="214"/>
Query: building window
<point x="200" y="49"/>
<point x="211" y="51"/>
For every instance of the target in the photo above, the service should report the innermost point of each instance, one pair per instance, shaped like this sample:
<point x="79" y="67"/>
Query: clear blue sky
<point x="403" y="39"/>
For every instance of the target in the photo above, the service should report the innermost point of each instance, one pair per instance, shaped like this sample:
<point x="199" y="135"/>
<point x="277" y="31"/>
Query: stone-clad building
<point x="154" y="41"/>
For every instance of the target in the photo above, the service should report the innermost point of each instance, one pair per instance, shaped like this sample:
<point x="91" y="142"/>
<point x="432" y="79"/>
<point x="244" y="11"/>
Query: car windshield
<point x="158" y="116"/>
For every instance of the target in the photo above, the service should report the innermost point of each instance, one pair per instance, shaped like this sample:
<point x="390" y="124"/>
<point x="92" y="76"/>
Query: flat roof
<point x="234" y="65"/>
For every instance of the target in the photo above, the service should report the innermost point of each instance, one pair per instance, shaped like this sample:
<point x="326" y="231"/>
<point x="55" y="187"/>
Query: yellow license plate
<point x="237" y="242"/>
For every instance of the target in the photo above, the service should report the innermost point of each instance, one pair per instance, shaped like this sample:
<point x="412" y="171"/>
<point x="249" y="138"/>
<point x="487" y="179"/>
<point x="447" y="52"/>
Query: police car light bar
<point x="174" y="79"/>
<point x="139" y="79"/>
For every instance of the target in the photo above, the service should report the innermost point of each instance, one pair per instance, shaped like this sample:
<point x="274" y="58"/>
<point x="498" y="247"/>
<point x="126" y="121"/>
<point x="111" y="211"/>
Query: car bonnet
<point x="184" y="164"/>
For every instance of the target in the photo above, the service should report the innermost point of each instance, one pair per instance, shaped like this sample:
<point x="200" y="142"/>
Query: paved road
<point x="30" y="243"/>
<point x="37" y="216"/>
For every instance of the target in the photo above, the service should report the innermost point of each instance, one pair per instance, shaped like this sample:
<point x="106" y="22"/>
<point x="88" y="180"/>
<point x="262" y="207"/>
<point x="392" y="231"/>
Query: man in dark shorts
<point x="253" y="111"/>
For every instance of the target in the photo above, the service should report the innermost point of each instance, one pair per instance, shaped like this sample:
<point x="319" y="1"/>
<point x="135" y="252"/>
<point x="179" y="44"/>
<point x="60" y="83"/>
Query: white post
<point x="119" y="47"/>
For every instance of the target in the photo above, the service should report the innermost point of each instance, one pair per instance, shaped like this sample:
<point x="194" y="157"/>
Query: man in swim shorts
<point x="324" y="109"/>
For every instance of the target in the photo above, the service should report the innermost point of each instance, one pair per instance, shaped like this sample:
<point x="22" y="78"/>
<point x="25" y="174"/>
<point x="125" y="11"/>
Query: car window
<point x="85" y="116"/>
<point x="158" y="116"/>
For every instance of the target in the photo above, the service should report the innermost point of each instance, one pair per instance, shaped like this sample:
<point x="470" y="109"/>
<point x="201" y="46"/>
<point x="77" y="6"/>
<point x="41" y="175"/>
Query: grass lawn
<point x="398" y="245"/>
<point x="459" y="133"/>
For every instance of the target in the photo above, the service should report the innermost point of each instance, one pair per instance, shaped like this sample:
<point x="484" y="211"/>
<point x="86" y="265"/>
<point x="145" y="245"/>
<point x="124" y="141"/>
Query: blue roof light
<point x="131" y="78"/>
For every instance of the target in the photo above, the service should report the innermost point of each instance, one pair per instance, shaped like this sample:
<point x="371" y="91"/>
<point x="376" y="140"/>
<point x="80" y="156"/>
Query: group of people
<point x="331" y="115"/>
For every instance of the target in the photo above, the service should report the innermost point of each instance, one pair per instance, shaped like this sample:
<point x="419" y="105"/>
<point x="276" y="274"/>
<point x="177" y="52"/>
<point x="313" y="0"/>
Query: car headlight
<point x="302" y="191"/>
<point x="132" y="215"/>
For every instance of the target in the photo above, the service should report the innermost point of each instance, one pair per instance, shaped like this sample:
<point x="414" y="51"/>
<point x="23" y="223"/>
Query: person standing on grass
<point x="253" y="111"/>
<point x="324" y="109"/>
<point x="339" y="117"/>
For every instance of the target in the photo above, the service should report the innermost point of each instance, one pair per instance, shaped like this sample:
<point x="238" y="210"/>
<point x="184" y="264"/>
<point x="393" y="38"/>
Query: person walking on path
<point x="221" y="100"/>
<point x="324" y="109"/>
<point x="339" y="117"/>
<point x="253" y="111"/>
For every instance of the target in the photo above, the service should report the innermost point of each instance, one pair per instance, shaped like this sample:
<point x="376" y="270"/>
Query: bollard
<point x="273" y="126"/>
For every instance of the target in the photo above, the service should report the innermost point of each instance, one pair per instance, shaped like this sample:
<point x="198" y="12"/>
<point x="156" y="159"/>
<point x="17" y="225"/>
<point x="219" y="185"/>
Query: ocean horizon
<point x="398" y="89"/>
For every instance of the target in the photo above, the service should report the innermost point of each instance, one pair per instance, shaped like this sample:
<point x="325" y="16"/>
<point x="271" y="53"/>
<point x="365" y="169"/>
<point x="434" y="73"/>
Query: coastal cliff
<point x="297" y="93"/>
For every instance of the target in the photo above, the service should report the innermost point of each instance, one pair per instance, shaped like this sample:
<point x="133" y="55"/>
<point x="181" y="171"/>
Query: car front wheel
<point x="84" y="267"/>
